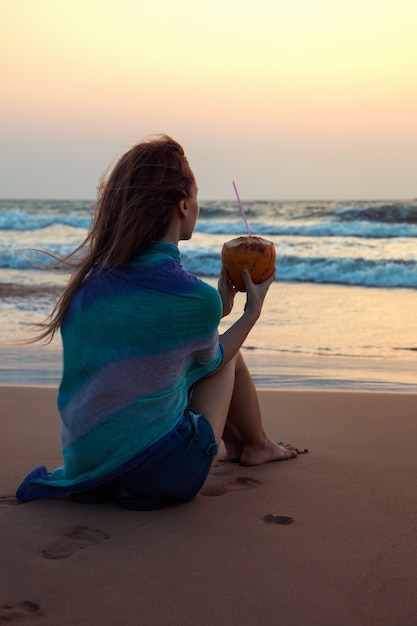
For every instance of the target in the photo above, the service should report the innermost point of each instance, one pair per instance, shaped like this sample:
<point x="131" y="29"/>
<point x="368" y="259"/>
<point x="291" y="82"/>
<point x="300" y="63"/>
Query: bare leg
<point x="245" y="415"/>
<point x="229" y="401"/>
<point x="233" y="442"/>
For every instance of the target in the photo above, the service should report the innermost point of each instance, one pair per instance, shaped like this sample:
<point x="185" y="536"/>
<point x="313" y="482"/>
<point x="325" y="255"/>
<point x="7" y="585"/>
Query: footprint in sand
<point x="77" y="539"/>
<point x="239" y="484"/>
<point x="24" y="611"/>
<point x="6" y="501"/>
<point x="284" y="520"/>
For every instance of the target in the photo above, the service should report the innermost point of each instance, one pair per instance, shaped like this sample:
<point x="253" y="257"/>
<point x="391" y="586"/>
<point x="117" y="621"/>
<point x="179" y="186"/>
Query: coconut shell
<point x="255" y="253"/>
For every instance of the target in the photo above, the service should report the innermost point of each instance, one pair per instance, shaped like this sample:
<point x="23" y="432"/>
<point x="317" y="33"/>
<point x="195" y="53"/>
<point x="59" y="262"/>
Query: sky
<point x="291" y="99"/>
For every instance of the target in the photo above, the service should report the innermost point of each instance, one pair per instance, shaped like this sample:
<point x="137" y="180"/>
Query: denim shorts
<point x="176" y="470"/>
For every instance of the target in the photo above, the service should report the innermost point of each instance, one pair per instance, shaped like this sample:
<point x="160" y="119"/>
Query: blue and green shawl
<point x="135" y="340"/>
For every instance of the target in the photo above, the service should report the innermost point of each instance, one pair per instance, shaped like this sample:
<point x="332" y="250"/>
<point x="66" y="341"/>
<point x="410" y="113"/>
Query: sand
<point x="348" y="557"/>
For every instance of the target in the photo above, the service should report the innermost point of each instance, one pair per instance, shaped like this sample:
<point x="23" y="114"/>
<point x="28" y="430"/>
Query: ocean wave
<point x="360" y="243"/>
<point x="395" y="213"/>
<point x="206" y="262"/>
<point x="314" y="269"/>
<point x="389" y="212"/>
<point x="33" y="259"/>
<point x="348" y="271"/>
<point x="267" y="218"/>
<point x="360" y="229"/>
<point x="18" y="220"/>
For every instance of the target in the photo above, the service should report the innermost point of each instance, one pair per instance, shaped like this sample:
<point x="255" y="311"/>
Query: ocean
<point x="340" y="314"/>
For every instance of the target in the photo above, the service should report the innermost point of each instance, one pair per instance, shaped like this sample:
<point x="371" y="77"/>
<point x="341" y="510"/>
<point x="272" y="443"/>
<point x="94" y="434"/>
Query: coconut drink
<point x="256" y="254"/>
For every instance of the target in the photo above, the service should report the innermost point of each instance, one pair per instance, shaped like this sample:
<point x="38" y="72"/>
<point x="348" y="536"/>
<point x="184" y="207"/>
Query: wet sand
<point x="327" y="538"/>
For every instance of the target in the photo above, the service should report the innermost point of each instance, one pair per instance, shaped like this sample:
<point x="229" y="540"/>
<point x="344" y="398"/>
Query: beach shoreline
<point x="308" y="336"/>
<point x="328" y="538"/>
<point x="41" y="366"/>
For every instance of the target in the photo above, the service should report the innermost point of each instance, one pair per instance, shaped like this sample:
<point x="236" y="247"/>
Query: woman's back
<point x="135" y="339"/>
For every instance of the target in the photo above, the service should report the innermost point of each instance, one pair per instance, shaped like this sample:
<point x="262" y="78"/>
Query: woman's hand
<point x="255" y="293"/>
<point x="227" y="291"/>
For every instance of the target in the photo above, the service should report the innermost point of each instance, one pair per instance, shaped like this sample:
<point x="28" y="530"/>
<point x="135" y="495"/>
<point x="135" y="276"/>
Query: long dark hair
<point x="133" y="210"/>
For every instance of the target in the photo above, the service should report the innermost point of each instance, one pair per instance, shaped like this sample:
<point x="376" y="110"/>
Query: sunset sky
<point x="292" y="100"/>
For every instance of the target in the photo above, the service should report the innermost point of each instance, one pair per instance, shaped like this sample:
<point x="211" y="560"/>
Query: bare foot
<point x="271" y="451"/>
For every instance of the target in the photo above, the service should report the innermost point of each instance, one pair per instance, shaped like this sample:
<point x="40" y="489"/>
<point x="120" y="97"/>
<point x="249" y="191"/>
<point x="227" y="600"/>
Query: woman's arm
<point x="234" y="337"/>
<point x="227" y="292"/>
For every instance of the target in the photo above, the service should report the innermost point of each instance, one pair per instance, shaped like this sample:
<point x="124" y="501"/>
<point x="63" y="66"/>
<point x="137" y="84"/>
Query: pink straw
<point x="241" y="209"/>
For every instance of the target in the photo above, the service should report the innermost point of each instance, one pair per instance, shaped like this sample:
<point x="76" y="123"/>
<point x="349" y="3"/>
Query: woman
<point x="148" y="388"/>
